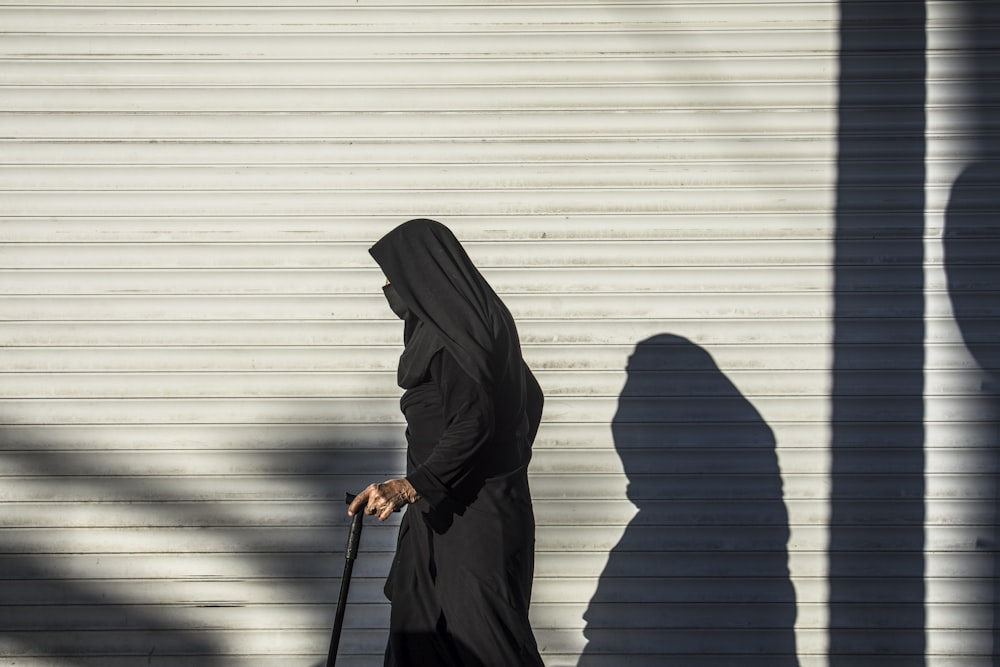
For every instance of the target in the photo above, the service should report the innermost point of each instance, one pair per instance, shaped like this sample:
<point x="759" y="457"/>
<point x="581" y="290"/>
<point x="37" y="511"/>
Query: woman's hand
<point x="381" y="500"/>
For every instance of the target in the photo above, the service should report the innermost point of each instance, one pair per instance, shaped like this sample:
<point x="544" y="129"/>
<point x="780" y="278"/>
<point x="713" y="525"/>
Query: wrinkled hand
<point x="381" y="500"/>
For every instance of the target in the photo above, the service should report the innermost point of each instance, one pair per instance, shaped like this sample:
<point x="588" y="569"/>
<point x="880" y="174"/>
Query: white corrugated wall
<point x="198" y="362"/>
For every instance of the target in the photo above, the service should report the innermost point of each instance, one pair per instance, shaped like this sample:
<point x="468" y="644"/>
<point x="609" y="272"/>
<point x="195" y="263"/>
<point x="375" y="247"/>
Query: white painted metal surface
<point x="197" y="360"/>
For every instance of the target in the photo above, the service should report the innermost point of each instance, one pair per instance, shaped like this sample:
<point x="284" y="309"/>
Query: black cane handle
<point x="354" y="535"/>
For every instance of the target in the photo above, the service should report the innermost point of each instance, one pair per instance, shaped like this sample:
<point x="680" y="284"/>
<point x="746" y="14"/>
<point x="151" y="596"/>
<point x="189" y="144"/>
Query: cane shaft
<point x="350" y="555"/>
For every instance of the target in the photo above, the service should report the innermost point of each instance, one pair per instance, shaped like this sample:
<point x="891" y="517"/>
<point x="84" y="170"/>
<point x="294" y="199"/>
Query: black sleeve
<point x="534" y="403"/>
<point x="469" y="425"/>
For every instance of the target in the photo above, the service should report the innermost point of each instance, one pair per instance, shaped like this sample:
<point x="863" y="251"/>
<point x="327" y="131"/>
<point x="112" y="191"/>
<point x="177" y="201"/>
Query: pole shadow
<point x="876" y="530"/>
<point x="700" y="575"/>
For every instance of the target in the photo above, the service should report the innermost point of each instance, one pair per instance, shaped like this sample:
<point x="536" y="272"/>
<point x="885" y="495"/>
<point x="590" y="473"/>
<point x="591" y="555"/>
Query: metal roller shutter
<point x="197" y="361"/>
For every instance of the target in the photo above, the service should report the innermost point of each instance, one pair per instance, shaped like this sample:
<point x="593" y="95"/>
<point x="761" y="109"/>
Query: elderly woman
<point x="460" y="583"/>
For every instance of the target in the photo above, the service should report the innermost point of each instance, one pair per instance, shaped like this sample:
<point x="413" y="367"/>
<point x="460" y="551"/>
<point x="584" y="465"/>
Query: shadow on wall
<point x="972" y="262"/>
<point x="157" y="569"/>
<point x="972" y="239"/>
<point x="60" y="604"/>
<point x="48" y="617"/>
<point x="700" y="576"/>
<point x="876" y="531"/>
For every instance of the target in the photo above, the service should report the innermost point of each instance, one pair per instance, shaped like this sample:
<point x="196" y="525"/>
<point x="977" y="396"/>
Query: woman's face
<point x="396" y="303"/>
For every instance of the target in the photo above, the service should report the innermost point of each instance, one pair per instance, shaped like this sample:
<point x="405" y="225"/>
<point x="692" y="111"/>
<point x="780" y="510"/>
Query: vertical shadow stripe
<point x="884" y="214"/>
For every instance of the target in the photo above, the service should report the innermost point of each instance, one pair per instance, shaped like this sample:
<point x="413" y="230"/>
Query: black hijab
<point x="450" y="304"/>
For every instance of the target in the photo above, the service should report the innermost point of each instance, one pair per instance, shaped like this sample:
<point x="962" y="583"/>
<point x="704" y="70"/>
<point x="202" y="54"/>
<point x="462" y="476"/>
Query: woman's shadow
<point x="972" y="263"/>
<point x="700" y="576"/>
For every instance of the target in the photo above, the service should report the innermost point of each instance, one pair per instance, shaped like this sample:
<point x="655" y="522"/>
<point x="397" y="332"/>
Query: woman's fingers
<point x="386" y="512"/>
<point x="381" y="500"/>
<point x="378" y="501"/>
<point x="362" y="500"/>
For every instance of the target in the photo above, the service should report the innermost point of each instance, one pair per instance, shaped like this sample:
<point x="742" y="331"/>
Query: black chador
<point x="460" y="583"/>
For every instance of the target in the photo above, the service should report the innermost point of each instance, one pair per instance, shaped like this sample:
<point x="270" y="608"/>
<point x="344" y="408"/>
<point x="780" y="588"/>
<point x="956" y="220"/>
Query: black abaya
<point x="460" y="583"/>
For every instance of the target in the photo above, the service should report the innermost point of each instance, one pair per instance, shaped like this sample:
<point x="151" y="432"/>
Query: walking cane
<point x="350" y="555"/>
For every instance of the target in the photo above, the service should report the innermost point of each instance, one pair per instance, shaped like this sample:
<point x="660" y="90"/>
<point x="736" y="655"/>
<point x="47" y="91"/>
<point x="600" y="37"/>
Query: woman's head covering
<point x="450" y="304"/>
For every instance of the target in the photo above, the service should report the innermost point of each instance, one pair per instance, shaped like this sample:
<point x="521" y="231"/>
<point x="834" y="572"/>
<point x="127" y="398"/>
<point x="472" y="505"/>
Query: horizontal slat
<point x="336" y="282"/>
<point x="713" y="646"/>
<point x="301" y="642"/>
<point x="524" y="201"/>
<point x="401" y="41"/>
<point x="422" y="176"/>
<point x="306" y="645"/>
<point x="263" y="152"/>
<point x="779" y="279"/>
<point x="50" y="437"/>
<point x="750" y="456"/>
<point x="187" y="598"/>
<point x="238" y="660"/>
<point x="428" y="70"/>
<point x="659" y="355"/>
<point x="522" y="17"/>
<point x="175" y="597"/>
<point x="882" y="307"/>
<point x="378" y="437"/>
<point x="560" y="572"/>
<point x="466" y="98"/>
<point x="362" y="229"/>
<point x="207" y="616"/>
<point x="731" y="614"/>
<point x="554" y="659"/>
<point x="739" y="458"/>
<point x="54" y="485"/>
<point x="701" y="516"/>
<point x="878" y="9"/>
<point x="452" y="97"/>
<point x="597" y="410"/>
<point x="230" y="338"/>
<point x="317" y="384"/>
<point x="221" y="335"/>
<point x="333" y="126"/>
<point x="603" y="486"/>
<point x="899" y="540"/>
<point x="495" y="258"/>
<point x="156" y="640"/>
<point x="688" y="614"/>
<point x="366" y="228"/>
